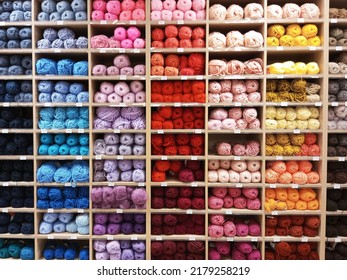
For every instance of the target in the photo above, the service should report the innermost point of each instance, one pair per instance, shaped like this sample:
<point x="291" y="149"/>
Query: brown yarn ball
<point x="282" y="231"/>
<point x="312" y="222"/>
<point x="269" y="255"/>
<point x="271" y="221"/>
<point x="284" y="221"/>
<point x="296" y="231"/>
<point x="283" y="249"/>
<point x="298" y="220"/>
<point x="270" y="231"/>
<point x="310" y="232"/>
<point x="303" y="249"/>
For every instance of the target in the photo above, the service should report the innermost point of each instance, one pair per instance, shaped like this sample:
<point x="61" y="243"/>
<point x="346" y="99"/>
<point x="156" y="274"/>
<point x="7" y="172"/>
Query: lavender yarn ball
<point x="82" y="42"/>
<point x="132" y="113"/>
<point x="140" y="139"/>
<point x="125" y="165"/>
<point x="139" y="164"/>
<point x="113" y="229"/>
<point x="59" y="227"/>
<point x="102" y="256"/>
<point x="138" y="175"/>
<point x="99" y="245"/>
<point x="113" y="247"/>
<point x="128" y="254"/>
<point x="139" y="246"/>
<point x="125" y="244"/>
<point x="139" y="256"/>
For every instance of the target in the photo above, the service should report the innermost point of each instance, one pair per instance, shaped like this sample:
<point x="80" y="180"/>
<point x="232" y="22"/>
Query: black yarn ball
<point x="8" y="114"/>
<point x="343" y="220"/>
<point x="18" y="218"/>
<point x="29" y="192"/>
<point x="341" y="151"/>
<point x="28" y="166"/>
<point x="16" y="123"/>
<point x="331" y="205"/>
<point x="6" y="193"/>
<point x="342" y="204"/>
<point x="4" y="203"/>
<point x="27" y="123"/>
<point x="342" y="230"/>
<point x="3" y="123"/>
<point x="29" y="217"/>
<point x="332" y="220"/>
<point x="332" y="151"/>
<point x="334" y="194"/>
<point x="29" y="202"/>
<point x="341" y="248"/>
<point x="342" y="84"/>
<point x="344" y="194"/>
<point x="331" y="231"/>
<point x="329" y="255"/>
<point x="341" y="177"/>
<point x="330" y="177"/>
<point x="4" y="176"/>
<point x="17" y="202"/>
<point x="343" y="140"/>
<point x="18" y="165"/>
<point x="3" y="229"/>
<point x="338" y="256"/>
<point x="28" y="176"/>
<point x="16" y="176"/>
<point x="333" y="140"/>
<point x="27" y="228"/>
<point x="14" y="227"/>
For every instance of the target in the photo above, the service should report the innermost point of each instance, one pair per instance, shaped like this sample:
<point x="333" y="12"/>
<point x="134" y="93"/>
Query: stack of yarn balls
<point x="119" y="118"/>
<point x="300" y="117"/>
<point x="64" y="118"/>
<point x="251" y="39"/>
<point x="178" y="10"/>
<point x="64" y="222"/>
<point x="173" y="36"/>
<point x="15" y="65"/>
<point x="228" y="91"/>
<point x="15" y="11"/>
<point x="16" y="144"/>
<point x="177" y="65"/>
<point x="65" y="66"/>
<point x="293" y="35"/>
<point x="63" y="144"/>
<point x="178" y="118"/>
<point x="65" y="250"/>
<point x="220" y="226"/>
<point x="238" y="198"/>
<point x="15" y="38"/>
<point x="295" y="226"/>
<point x="17" y="223"/>
<point x="178" y="91"/>
<point x="293" y="11"/>
<point x="17" y="197"/>
<point x="16" y="170"/>
<point x="337" y="13"/>
<point x="336" y="226"/>
<point x="121" y="92"/>
<point x="336" y="200"/>
<point x="122" y="65"/>
<point x="234" y="118"/>
<point x="177" y="250"/>
<point x="293" y="68"/>
<point x="178" y="197"/>
<point x="178" y="144"/>
<point x="183" y="171"/>
<point x="339" y="65"/>
<point x="292" y="145"/>
<point x="337" y="90"/>
<point x="337" y="172"/>
<point x="234" y="171"/>
<point x="59" y="198"/>
<point x="16" y="91"/>
<point x="292" y="251"/>
<point x="64" y="38"/>
<point x="104" y="223"/>
<point x="249" y="148"/>
<point x="297" y="90"/>
<point x="234" y="251"/>
<point x="337" y="145"/>
<point x="55" y="10"/>
<point x="17" y="249"/>
<point x="251" y="11"/>
<point x="63" y="172"/>
<point x="221" y="67"/>
<point x="118" y="10"/>
<point x="119" y="171"/>
<point x="338" y="37"/>
<point x="120" y="197"/>
<point x="62" y="92"/>
<point x="290" y="199"/>
<point x="336" y="251"/>
<point x="337" y="118"/>
<point x="125" y="144"/>
<point x="119" y="250"/>
<point x="125" y="38"/>
<point x="169" y="224"/>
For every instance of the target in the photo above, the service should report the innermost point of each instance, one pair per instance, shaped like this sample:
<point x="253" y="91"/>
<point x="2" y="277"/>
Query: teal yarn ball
<point x="43" y="149"/>
<point x="65" y="66"/>
<point x="14" y="249"/>
<point x="80" y="68"/>
<point x="4" y="253"/>
<point x="27" y="253"/>
<point x="53" y="150"/>
<point x="46" y="139"/>
<point x="60" y="138"/>
<point x="84" y="151"/>
<point x="64" y="150"/>
<point x="83" y="230"/>
<point x="72" y="140"/>
<point x="75" y="151"/>
<point x="83" y="139"/>
<point x="2" y="242"/>
<point x="82" y="220"/>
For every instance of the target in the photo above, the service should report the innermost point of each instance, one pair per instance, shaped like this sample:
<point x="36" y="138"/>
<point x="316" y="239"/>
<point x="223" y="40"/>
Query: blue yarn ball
<point x="72" y="112"/>
<point x="83" y="123"/>
<point x="48" y="253"/>
<point x="82" y="203"/>
<point x="70" y="98"/>
<point x="45" y="172"/>
<point x="12" y="33"/>
<point x="17" y="6"/>
<point x="46" y="86"/>
<point x="75" y="150"/>
<point x="64" y="150"/>
<point x="84" y="113"/>
<point x="76" y="88"/>
<point x="66" y="33"/>
<point x="59" y="227"/>
<point x="70" y="192"/>
<point x="63" y="6"/>
<point x="83" y="97"/>
<point x="55" y="16"/>
<point x="83" y="139"/>
<point x="84" y="150"/>
<point x="59" y="252"/>
<point x="26" y="44"/>
<point x="65" y="66"/>
<point x="57" y="204"/>
<point x="79" y="6"/>
<point x="66" y="217"/>
<point x="48" y="6"/>
<point x="46" y="66"/>
<point x="57" y="97"/>
<point x="82" y="42"/>
<point x="42" y="16"/>
<point x="46" y="114"/>
<point x="70" y="203"/>
<point x="60" y="138"/>
<point x="62" y="87"/>
<point x="27" y="16"/>
<point x="55" y="194"/>
<point x="25" y="33"/>
<point x="83" y="192"/>
<point x="81" y="16"/>
<point x="84" y="254"/>
<point x="84" y="230"/>
<point x="45" y="228"/>
<point x="45" y="124"/>
<point x="71" y="227"/>
<point x="14" y="249"/>
<point x="16" y="16"/>
<point x="68" y="15"/>
<point x="58" y="124"/>
<point x="62" y="175"/>
<point x="80" y="171"/>
<point x="72" y="140"/>
<point x="70" y="254"/>
<point x="27" y="253"/>
<point x="26" y="5"/>
<point x="71" y="123"/>
<point x="42" y="204"/>
<point x="60" y="114"/>
<point x="53" y="150"/>
<point x="80" y="68"/>
<point x="42" y="193"/>
<point x="44" y="97"/>
<point x="58" y="44"/>
<point x="82" y="220"/>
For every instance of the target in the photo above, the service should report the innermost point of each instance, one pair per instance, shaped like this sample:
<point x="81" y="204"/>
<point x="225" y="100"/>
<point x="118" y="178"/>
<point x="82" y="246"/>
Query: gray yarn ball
<point x="81" y="16"/>
<point x="25" y="33"/>
<point x="57" y="44"/>
<point x="13" y="44"/>
<point x="27" y="62"/>
<point x="3" y="44"/>
<point x="43" y="44"/>
<point x="5" y="16"/>
<point x="332" y="98"/>
<point x="3" y="71"/>
<point x="66" y="33"/>
<point x="15" y="70"/>
<point x="68" y="15"/>
<point x="42" y="16"/>
<point x="12" y="33"/>
<point x="63" y="6"/>
<point x="342" y="95"/>
<point x="82" y="42"/>
<point x="70" y="44"/>
<point x="7" y="6"/>
<point x="334" y="87"/>
<point x="15" y="59"/>
<point x="79" y="6"/>
<point x="17" y="6"/>
<point x="336" y="32"/>
<point x="3" y="35"/>
<point x="26" y="6"/>
<point x="50" y="34"/>
<point x="26" y="44"/>
<point x="17" y="16"/>
<point x="342" y="84"/>
<point x="27" y="16"/>
<point x="48" y="6"/>
<point x="55" y="16"/>
<point x="4" y="61"/>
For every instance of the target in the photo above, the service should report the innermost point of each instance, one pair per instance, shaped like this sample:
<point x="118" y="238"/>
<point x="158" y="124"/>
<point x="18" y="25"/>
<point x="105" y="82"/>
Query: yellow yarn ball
<point x="280" y="113"/>
<point x="277" y="150"/>
<point x="302" y="124"/>
<point x="296" y="150"/>
<point x="297" y="139"/>
<point x="272" y="42"/>
<point x="309" y="30"/>
<point x="276" y="30"/>
<point x="314" y="41"/>
<point x="291" y="125"/>
<point x="270" y="112"/>
<point x="302" y="113"/>
<point x="283" y="85"/>
<point x="281" y="205"/>
<point x="298" y="85"/>
<point x="291" y="114"/>
<point x="313" y="124"/>
<point x="270" y="204"/>
<point x="314" y="112"/>
<point x="268" y="150"/>
<point x="271" y="85"/>
<point x="312" y="68"/>
<point x="286" y="41"/>
<point x="293" y="30"/>
<point x="276" y="68"/>
<point x="282" y="139"/>
<point x="270" y="124"/>
<point x="281" y="124"/>
<point x="300" y="41"/>
<point x="288" y="150"/>
<point x="289" y="67"/>
<point x="301" y="68"/>
<point x="270" y="139"/>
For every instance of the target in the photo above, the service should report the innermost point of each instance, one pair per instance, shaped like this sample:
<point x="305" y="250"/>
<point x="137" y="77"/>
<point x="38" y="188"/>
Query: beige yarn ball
<point x="254" y="11"/>
<point x="310" y="11"/>
<point x="274" y="11"/>
<point x="280" y="114"/>
<point x="234" y="39"/>
<point x="216" y="40"/>
<point x="291" y="114"/>
<point x="302" y="113"/>
<point x="217" y="12"/>
<point x="270" y="112"/>
<point x="253" y="39"/>
<point x="291" y="125"/>
<point x="314" y="112"/>
<point x="291" y="11"/>
<point x="217" y="67"/>
<point x="270" y="124"/>
<point x="281" y="124"/>
<point x="234" y="12"/>
<point x="301" y="124"/>
<point x="313" y="124"/>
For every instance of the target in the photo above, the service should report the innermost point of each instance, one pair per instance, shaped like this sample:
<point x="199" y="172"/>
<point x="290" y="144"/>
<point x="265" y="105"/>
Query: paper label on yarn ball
<point x="341" y="159"/>
<point x="158" y="238"/>
<point x="336" y="186"/>
<point x="119" y="211"/>
<point x="133" y="238"/>
<point x="334" y="104"/>
<point x="6" y="104"/>
<point x="304" y="239"/>
<point x="5" y="130"/>
<point x="189" y="211"/>
<point x="109" y="237"/>
<point x="163" y="184"/>
<point x="5" y="184"/>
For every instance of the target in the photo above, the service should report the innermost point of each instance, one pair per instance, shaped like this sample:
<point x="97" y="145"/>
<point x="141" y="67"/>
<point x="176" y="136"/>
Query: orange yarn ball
<point x="198" y="43"/>
<point x="296" y="231"/>
<point x="269" y="255"/>
<point x="198" y="33"/>
<point x="157" y="44"/>
<point x="171" y="31"/>
<point x="271" y="221"/>
<point x="298" y="220"/>
<point x="281" y="194"/>
<point x="307" y="194"/>
<point x="293" y="195"/>
<point x="185" y="32"/>
<point x="285" y="178"/>
<point x="157" y="59"/>
<point x="171" y="43"/>
<point x="305" y="166"/>
<point x="313" y="204"/>
<point x="196" y="61"/>
<point x="292" y="166"/>
<point x="290" y="204"/>
<point x="310" y="139"/>
<point x="299" y="178"/>
<point x="301" y="205"/>
<point x="158" y="176"/>
<point x="312" y="222"/>
<point x="157" y="34"/>
<point x="279" y="167"/>
<point x="186" y="43"/>
<point x="313" y="150"/>
<point x="284" y="221"/>
<point x="157" y="70"/>
<point x="312" y="177"/>
<point x="310" y="232"/>
<point x="170" y="71"/>
<point x="172" y="60"/>
<point x="271" y="176"/>
<point x="283" y="249"/>
<point x="183" y="62"/>
<point x="270" y="193"/>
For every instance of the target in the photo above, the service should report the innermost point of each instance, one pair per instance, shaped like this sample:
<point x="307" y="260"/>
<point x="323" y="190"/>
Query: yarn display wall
<point x="293" y="11"/>
<point x="64" y="38"/>
<point x="294" y="68"/>
<point x="118" y="10"/>
<point x="62" y="92"/>
<point x="17" y="197"/>
<point x="16" y="91"/>
<point x="63" y="118"/>
<point x="55" y="10"/>
<point x="220" y="12"/>
<point x="63" y="223"/>
<point x="337" y="90"/>
<point x="291" y="251"/>
<point x="220" y="226"/>
<point x="16" y="118"/>
<point x="234" y="198"/>
<point x="336" y="226"/>
<point x="177" y="250"/>
<point x="120" y="92"/>
<point x="119" y="250"/>
<point x="16" y="144"/>
<point x="15" y="38"/>
<point x="178" y="118"/>
<point x="338" y="64"/>
<point x="228" y="91"/>
<point x="62" y="198"/>
<point x="300" y="117"/>
<point x="337" y="118"/>
<point x="249" y="148"/>
<point x="221" y="67"/>
<point x="15" y="65"/>
<point x="337" y="145"/>
<point x="17" y="249"/>
<point x="66" y="66"/>
<point x="183" y="171"/>
<point x="336" y="251"/>
<point x="17" y="223"/>
<point x="122" y="65"/>
<point x="234" y="251"/>
<point x="104" y="223"/>
<point x="178" y="91"/>
<point x="336" y="200"/>
<point x="178" y="197"/>
<point x="337" y="172"/>
<point x="295" y="226"/>
<point x="118" y="197"/>
<point x="173" y="36"/>
<point x="16" y="171"/>
<point x="178" y="10"/>
<point x="250" y="39"/>
<point x="65" y="250"/>
<point x="14" y="12"/>
<point x="297" y="90"/>
<point x="169" y="224"/>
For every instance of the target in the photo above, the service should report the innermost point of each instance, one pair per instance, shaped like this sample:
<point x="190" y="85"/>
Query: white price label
<point x="22" y="158"/>
<point x="50" y="210"/>
<point x="78" y="157"/>
<point x="68" y="130"/>
<point x="189" y="211"/>
<point x="342" y="159"/>
<point x="336" y="186"/>
<point x="237" y="104"/>
<point x="160" y="131"/>
<point x="254" y="239"/>
<point x="120" y="157"/>
<point x="284" y="104"/>
<point x="122" y="77"/>
<point x="333" y="20"/>
<point x="279" y="157"/>
<point x="163" y="78"/>
<point x="237" y="158"/>
<point x="119" y="211"/>
<point x="68" y="184"/>
<point x="177" y="104"/>
<point x="238" y="185"/>
<point x="4" y="210"/>
<point x="57" y="50"/>
<point x="280" y="48"/>
<point x="334" y="104"/>
<point x="275" y="213"/>
<point x="184" y="78"/>
<point x="79" y="104"/>
<point x="198" y="131"/>
<point x="337" y="239"/>
<point x="158" y="238"/>
<point x="230" y="239"/>
<point x="339" y="48"/>
<point x="161" y="22"/>
<point x="5" y="184"/>
<point x="277" y="239"/>
<point x="116" y="131"/>
<point x="98" y="157"/>
<point x="272" y="186"/>
<point x="73" y="237"/>
<point x="191" y="238"/>
<point x="50" y="236"/>
<point x="296" y="131"/>
<point x="237" y="131"/>
<point x="110" y="184"/>
<point x="80" y="210"/>
<point x="194" y="184"/>
<point x="304" y="239"/>
<point x="194" y="158"/>
<point x="280" y="76"/>
<point x="180" y="49"/>
<point x="318" y="104"/>
<point x="301" y="20"/>
<point x="141" y="184"/>
<point x="163" y="184"/>
<point x="109" y="237"/>
<point x="132" y="22"/>
<point x="315" y="158"/>
<point x="229" y="212"/>
<point x="295" y="186"/>
<point x="60" y="22"/>
<point x="133" y="238"/>
<point x="5" y="130"/>
<point x="80" y="130"/>
<point x="47" y="104"/>
<point x="164" y="158"/>
<point x="180" y="21"/>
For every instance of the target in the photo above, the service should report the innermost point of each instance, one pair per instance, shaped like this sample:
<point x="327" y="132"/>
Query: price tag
<point x="284" y="104"/>
<point x="272" y="186"/>
<point x="189" y="211"/>
<point x="301" y="20"/>
<point x="133" y="237"/>
<point x="4" y="210"/>
<point x="122" y="77"/>
<point x="318" y="104"/>
<point x="160" y="131"/>
<point x="22" y="158"/>
<point x="57" y="50"/>
<point x="191" y="238"/>
<point x="183" y="78"/>
<point x="279" y="157"/>
<point x="333" y="20"/>
<point x="80" y="130"/>
<point x="161" y="22"/>
<point x="103" y="21"/>
<point x="132" y="22"/>
<point x="50" y="236"/>
<point x="79" y="104"/>
<point x="5" y="130"/>
<point x="121" y="50"/>
<point x="229" y="212"/>
<point x="312" y="48"/>
<point x="280" y="76"/>
<point x="109" y="237"/>
<point x="80" y="210"/>
<point x="180" y="21"/>
<point x="338" y="239"/>
<point x="237" y="158"/>
<point x="295" y="186"/>
<point x="194" y="184"/>
<point x="116" y="131"/>
<point x="280" y="48"/>
<point x="5" y="184"/>
<point x="78" y="157"/>
<point x="120" y="157"/>
<point x="277" y="239"/>
<point x="254" y="239"/>
<point x="237" y="49"/>
<point x="164" y="158"/>
<point x="163" y="184"/>
<point x="2" y="23"/>
<point x="237" y="104"/>
<point x="315" y="158"/>
<point x="342" y="159"/>
<point x="339" y="48"/>
<point x="141" y="184"/>
<point x="177" y="104"/>
<point x="296" y="131"/>
<point x="199" y="77"/>
<point x="68" y="184"/>
<point x="336" y="186"/>
<point x="238" y="185"/>
<point x="47" y="104"/>
<point x="110" y="184"/>
<point x="50" y="210"/>
<point x="119" y="211"/>
<point x="6" y="104"/>
<point x="180" y="49"/>
<point x="334" y="104"/>
<point x="98" y="157"/>
<point x="346" y="103"/>
<point x="68" y="130"/>
<point x="158" y="238"/>
<point x="237" y="131"/>
<point x="275" y="213"/>
<point x="304" y="239"/>
<point x="198" y="131"/>
<point x="194" y="158"/>
<point x="73" y="237"/>
<point x="60" y="22"/>
<point x="163" y="78"/>
<point x="231" y="239"/>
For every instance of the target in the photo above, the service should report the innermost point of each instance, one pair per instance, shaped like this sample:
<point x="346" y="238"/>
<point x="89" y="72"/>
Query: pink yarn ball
<point x="110" y="16"/>
<point x="239" y="150"/>
<point x="177" y="15"/>
<point x="120" y="33"/>
<point x="223" y="176"/>
<point x="238" y="86"/>
<point x="225" y="164"/>
<point x="214" y="87"/>
<point x="98" y="15"/>
<point x="125" y="15"/>
<point x="156" y="15"/>
<point x="223" y="247"/>
<point x="251" y="193"/>
<point x="241" y="124"/>
<point x="241" y="229"/>
<point x="256" y="177"/>
<point x="252" y="148"/>
<point x="255" y="255"/>
<point x="251" y="86"/>
<point x="253" y="204"/>
<point x="274" y="11"/>
<point x="201" y="15"/>
<point x="241" y="97"/>
<point x="238" y="165"/>
<point x="156" y="5"/>
<point x="112" y="71"/>
<point x="184" y="5"/>
<point x="237" y="255"/>
<point x="215" y="203"/>
<point x="254" y="229"/>
<point x="235" y="113"/>
<point x="253" y="165"/>
<point x="244" y="247"/>
<point x="133" y="33"/>
<point x="226" y="97"/>
<point x="121" y="88"/>
<point x="127" y="44"/>
<point x="140" y="4"/>
<point x="249" y="114"/>
<point x="166" y="15"/>
<point x="254" y="124"/>
<point x="234" y="177"/>
<point x="169" y="5"/>
<point x="254" y="97"/>
<point x="189" y="15"/>
<point x="113" y="7"/>
<point x="228" y="201"/>
<point x="234" y="192"/>
<point x="128" y="5"/>
<point x="213" y="164"/>
<point x="215" y="231"/>
<point x="99" y="5"/>
<point x="213" y="254"/>
<point x="228" y="123"/>
<point x="229" y="229"/>
<point x="217" y="219"/>
<point x="138" y="14"/>
<point x="219" y="192"/>
<point x="223" y="149"/>
<point x="245" y="177"/>
<point x="212" y="176"/>
<point x="198" y="5"/>
<point x="139" y="43"/>
<point x="219" y="114"/>
<point x="240" y="202"/>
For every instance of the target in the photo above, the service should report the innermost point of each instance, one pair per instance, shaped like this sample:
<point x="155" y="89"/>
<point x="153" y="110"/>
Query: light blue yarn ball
<point x="83" y="97"/>
<point x="50" y="34"/>
<point x="83" y="230"/>
<point x="63" y="6"/>
<point x="82" y="220"/>
<point x="80" y="68"/>
<point x="68" y="15"/>
<point x="71" y="227"/>
<point x="62" y="175"/>
<point x="50" y="217"/>
<point x="48" y="6"/>
<point x="70" y="98"/>
<point x="44" y="97"/>
<point x="81" y="16"/>
<point x="27" y="253"/>
<point x="79" y="6"/>
<point x="75" y="88"/>
<point x="45" y="173"/>
<point x="59" y="227"/>
<point x="66" y="217"/>
<point x="45" y="228"/>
